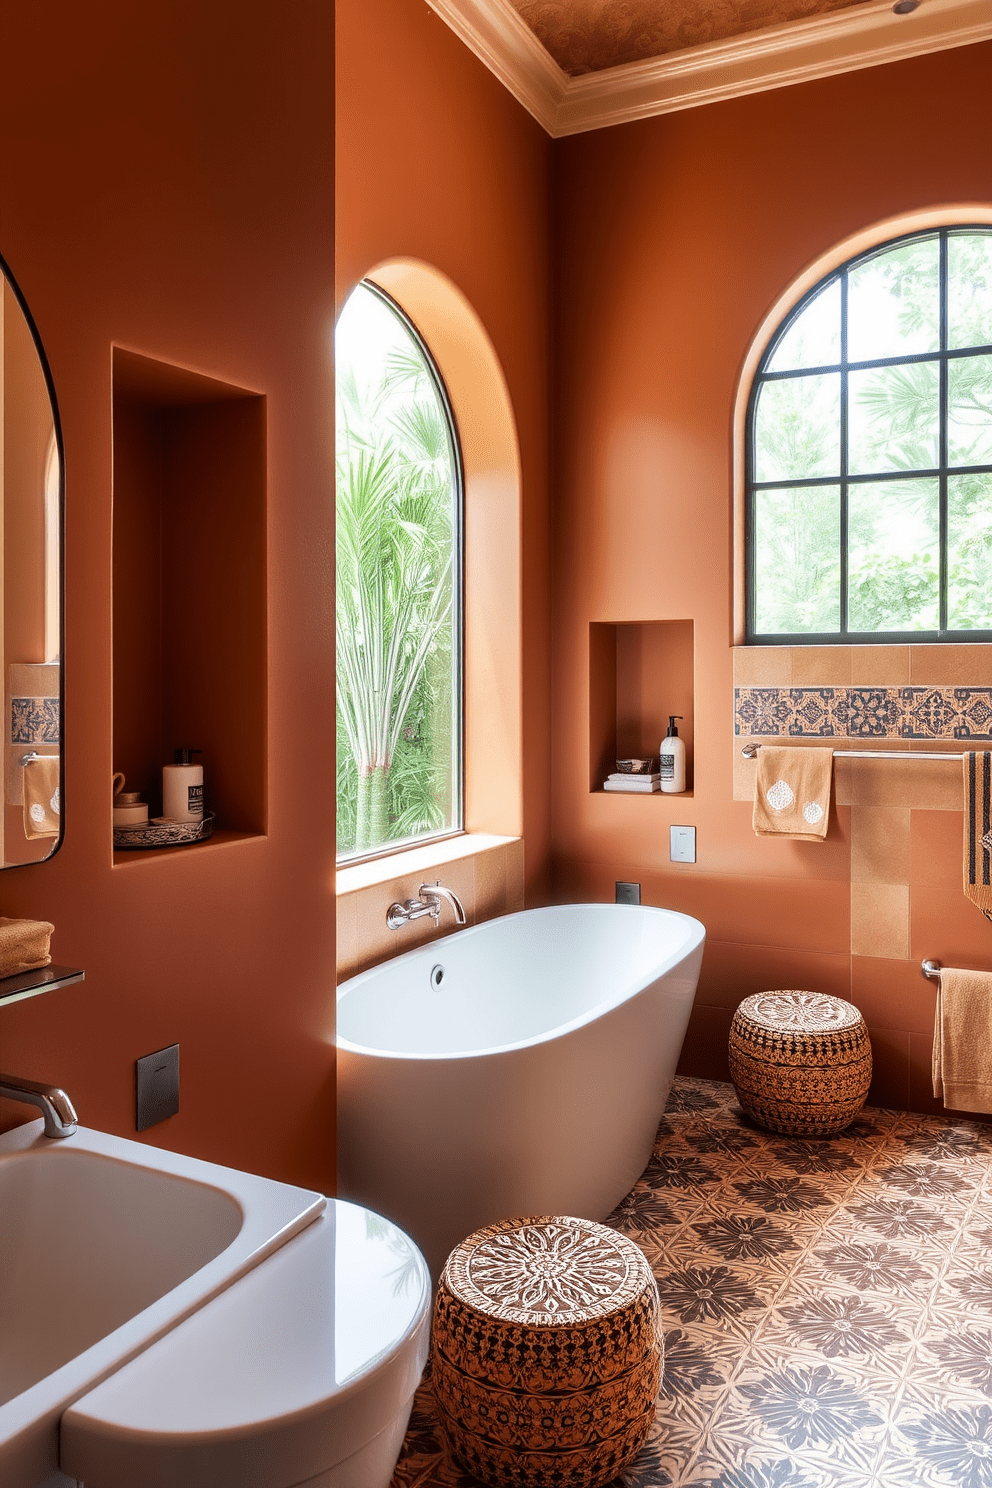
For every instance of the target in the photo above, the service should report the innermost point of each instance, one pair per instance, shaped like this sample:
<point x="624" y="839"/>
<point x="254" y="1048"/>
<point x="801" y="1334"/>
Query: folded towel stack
<point x="792" y="793"/>
<point x="24" y="945"/>
<point x="962" y="1040"/>
<point x="643" y="785"/>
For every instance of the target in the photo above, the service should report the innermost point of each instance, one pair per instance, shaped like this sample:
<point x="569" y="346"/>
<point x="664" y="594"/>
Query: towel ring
<point x="931" y="970"/>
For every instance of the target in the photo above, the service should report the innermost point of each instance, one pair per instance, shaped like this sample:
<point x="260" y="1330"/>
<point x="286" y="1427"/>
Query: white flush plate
<point x="683" y="844"/>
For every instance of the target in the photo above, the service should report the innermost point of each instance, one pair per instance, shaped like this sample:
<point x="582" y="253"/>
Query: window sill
<point x="414" y="860"/>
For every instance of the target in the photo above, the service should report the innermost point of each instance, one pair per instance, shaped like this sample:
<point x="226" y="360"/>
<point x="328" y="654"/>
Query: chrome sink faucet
<point x="54" y="1104"/>
<point x="429" y="903"/>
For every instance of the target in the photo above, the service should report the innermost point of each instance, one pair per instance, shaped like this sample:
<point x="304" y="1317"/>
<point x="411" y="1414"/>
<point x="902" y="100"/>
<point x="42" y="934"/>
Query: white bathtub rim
<point x="695" y="939"/>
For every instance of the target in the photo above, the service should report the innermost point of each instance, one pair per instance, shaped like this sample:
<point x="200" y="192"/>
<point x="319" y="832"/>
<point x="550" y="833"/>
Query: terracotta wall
<point x="675" y="236"/>
<point x="436" y="162"/>
<point x="172" y="193"/>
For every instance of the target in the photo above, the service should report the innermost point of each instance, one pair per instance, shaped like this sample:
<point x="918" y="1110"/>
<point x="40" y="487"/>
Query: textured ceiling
<point x="588" y="35"/>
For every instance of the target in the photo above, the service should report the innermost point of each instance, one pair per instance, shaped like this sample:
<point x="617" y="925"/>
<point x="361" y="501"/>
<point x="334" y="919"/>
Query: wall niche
<point x="189" y="588"/>
<point x="640" y="672"/>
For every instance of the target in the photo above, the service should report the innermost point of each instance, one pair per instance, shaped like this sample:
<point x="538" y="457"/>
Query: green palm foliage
<point x="395" y="589"/>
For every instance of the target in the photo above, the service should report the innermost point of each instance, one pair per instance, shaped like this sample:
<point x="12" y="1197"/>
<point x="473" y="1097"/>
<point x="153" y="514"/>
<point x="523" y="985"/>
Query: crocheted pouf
<point x="800" y="1062"/>
<point x="547" y="1352"/>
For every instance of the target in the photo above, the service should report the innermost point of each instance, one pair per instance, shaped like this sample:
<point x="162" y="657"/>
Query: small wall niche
<point x="640" y="672"/>
<point x="189" y="588"/>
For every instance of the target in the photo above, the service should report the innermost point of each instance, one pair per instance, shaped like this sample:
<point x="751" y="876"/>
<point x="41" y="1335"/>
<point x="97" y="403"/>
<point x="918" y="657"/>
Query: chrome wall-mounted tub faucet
<point x="429" y="903"/>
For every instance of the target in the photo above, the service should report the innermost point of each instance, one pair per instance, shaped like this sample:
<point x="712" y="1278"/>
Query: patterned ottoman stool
<point x="547" y="1352"/>
<point x="800" y="1062"/>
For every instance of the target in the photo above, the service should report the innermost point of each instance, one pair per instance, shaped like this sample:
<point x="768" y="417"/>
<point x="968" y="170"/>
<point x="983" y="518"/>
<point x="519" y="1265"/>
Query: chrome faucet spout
<point x="429" y="902"/>
<point x="436" y="893"/>
<point x="53" y="1103"/>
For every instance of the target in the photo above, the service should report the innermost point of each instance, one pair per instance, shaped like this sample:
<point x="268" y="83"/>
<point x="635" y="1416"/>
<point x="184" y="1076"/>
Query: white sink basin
<point x="105" y="1245"/>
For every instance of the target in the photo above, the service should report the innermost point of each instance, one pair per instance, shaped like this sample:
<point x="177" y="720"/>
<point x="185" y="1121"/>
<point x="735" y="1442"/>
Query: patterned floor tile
<point x="827" y="1305"/>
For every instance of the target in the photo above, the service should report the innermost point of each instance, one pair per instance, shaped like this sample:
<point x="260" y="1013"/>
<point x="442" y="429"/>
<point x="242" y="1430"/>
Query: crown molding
<point x="497" y="35"/>
<point x="861" y="36"/>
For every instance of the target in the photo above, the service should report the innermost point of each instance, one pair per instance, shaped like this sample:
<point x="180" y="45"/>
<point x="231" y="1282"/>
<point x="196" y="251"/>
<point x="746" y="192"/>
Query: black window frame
<point x="844" y="636"/>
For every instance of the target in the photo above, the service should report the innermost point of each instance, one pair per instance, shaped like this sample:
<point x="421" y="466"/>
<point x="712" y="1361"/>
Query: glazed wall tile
<point x="890" y="1067"/>
<point x="347" y="932"/>
<point x="937" y="845"/>
<point x="732" y="972"/>
<point x="947" y="927"/>
<point x="814" y="666"/>
<point x="880" y="844"/>
<point x="808" y="914"/>
<point x="879" y="919"/>
<point x="929" y="785"/>
<point x="954" y="666"/>
<point x="880" y="666"/>
<point x="893" y="994"/>
<point x="762" y="666"/>
<point x="705" y="1044"/>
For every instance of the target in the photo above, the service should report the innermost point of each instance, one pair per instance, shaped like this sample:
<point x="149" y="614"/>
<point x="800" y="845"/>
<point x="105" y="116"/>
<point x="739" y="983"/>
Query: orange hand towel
<point x="962" y="1040"/>
<point x="42" y="806"/>
<point x="792" y="793"/>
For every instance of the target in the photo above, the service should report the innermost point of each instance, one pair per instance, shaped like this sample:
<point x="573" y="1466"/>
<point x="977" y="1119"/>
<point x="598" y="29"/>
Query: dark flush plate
<point x="156" y="1087"/>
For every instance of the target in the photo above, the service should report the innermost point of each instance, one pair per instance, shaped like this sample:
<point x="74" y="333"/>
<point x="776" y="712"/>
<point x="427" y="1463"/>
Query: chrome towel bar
<point x="931" y="970"/>
<point x="750" y="751"/>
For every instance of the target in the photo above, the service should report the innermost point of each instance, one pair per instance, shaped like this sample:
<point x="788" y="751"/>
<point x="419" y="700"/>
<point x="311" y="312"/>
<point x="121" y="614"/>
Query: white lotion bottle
<point x="182" y="788"/>
<point x="672" y="752"/>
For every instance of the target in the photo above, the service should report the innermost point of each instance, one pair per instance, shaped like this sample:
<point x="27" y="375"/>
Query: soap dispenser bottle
<point x="182" y="787"/>
<point x="672" y="753"/>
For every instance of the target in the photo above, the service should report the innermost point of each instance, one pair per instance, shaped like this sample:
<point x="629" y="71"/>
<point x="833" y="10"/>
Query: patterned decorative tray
<point x="164" y="834"/>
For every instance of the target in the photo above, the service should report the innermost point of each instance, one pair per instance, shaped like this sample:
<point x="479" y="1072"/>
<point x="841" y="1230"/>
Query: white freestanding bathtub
<point x="517" y="1067"/>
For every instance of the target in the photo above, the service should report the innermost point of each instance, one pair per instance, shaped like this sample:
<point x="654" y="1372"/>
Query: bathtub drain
<point x="437" y="976"/>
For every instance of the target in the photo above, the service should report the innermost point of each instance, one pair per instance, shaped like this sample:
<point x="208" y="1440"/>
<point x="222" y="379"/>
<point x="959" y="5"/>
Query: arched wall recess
<point x="31" y="491"/>
<point x="849" y="247"/>
<point x="480" y="402"/>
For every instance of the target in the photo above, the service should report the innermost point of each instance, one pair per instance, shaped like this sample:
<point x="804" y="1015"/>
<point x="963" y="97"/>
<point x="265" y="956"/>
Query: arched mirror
<point x="31" y="482"/>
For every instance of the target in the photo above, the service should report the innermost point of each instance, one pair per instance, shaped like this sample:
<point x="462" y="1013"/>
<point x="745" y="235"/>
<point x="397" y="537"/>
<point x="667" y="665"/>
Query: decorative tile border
<point x="34" y="720"/>
<point x="863" y="712"/>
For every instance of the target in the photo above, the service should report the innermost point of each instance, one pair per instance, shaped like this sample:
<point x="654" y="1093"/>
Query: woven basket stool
<point x="547" y="1352"/>
<point x="800" y="1062"/>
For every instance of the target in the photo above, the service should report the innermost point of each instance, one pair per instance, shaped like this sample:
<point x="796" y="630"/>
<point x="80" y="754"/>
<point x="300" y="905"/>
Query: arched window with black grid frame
<point x="869" y="451"/>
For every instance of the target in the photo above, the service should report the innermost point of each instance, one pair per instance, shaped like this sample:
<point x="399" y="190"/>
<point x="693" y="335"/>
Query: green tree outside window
<point x="398" y="585"/>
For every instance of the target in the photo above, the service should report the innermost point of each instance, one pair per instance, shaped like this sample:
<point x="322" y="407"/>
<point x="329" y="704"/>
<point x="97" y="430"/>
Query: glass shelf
<point x="33" y="983"/>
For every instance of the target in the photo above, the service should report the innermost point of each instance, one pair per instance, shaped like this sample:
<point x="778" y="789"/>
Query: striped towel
<point x="978" y="830"/>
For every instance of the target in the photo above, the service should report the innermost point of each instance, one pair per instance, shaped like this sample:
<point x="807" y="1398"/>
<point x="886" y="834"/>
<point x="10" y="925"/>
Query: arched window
<point x="869" y="451"/>
<point x="399" y="600"/>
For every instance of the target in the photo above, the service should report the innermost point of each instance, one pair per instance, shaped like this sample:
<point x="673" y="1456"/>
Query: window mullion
<point x="942" y="439"/>
<point x="843" y="454"/>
